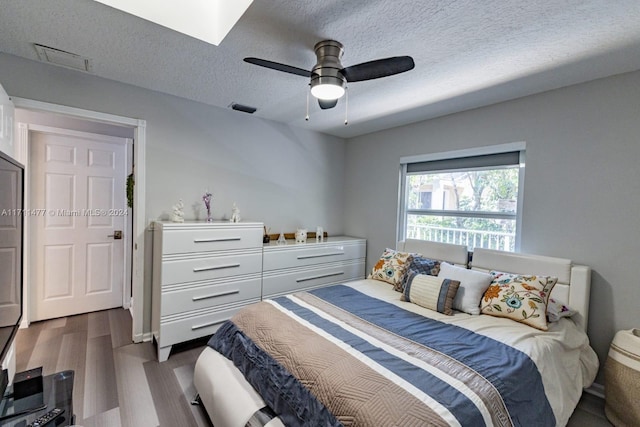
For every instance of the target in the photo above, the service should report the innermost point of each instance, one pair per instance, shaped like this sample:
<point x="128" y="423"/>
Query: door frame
<point x="127" y="143"/>
<point x="139" y="213"/>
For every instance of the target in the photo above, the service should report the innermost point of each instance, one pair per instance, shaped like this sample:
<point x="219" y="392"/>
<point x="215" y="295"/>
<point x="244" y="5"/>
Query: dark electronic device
<point x="27" y="383"/>
<point x="46" y="418"/>
<point x="4" y="380"/>
<point x="11" y="241"/>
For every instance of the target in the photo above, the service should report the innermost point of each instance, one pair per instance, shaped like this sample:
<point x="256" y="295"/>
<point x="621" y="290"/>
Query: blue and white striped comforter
<point x="336" y="356"/>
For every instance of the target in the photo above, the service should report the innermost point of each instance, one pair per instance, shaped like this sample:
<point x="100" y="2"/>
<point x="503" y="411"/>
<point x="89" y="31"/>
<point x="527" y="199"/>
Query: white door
<point x="78" y="206"/>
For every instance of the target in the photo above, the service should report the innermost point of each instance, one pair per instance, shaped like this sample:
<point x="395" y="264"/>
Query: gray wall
<point x="284" y="177"/>
<point x="582" y="183"/>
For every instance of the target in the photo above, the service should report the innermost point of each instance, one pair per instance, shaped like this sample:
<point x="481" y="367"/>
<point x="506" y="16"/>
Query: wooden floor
<point x="118" y="383"/>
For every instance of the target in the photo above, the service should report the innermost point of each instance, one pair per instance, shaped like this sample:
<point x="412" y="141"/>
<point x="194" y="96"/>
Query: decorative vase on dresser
<point x="203" y="272"/>
<point x="301" y="266"/>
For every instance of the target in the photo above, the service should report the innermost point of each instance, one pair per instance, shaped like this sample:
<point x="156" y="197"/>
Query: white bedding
<point x="562" y="355"/>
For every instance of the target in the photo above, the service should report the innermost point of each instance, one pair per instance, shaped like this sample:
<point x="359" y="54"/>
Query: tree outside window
<point x="474" y="207"/>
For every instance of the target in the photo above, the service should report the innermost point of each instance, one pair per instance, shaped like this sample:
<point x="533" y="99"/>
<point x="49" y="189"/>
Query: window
<point x="425" y="199"/>
<point x="469" y="197"/>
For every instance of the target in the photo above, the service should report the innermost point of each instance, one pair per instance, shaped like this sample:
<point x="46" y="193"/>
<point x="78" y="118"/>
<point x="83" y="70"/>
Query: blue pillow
<point x="420" y="265"/>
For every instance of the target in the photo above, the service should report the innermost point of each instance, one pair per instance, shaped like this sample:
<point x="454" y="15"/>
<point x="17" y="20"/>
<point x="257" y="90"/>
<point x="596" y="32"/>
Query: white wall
<point x="6" y="124"/>
<point x="276" y="174"/>
<point x="582" y="183"/>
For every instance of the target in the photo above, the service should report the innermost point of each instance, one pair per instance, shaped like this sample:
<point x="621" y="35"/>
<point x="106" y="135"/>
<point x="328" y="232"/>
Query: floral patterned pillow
<point x="518" y="297"/>
<point x="391" y="268"/>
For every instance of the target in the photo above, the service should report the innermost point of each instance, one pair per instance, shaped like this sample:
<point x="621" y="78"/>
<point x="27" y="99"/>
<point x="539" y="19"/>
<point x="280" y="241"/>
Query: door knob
<point x="117" y="235"/>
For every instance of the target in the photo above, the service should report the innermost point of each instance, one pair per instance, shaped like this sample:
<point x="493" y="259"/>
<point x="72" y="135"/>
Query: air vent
<point x="243" y="108"/>
<point x="62" y="58"/>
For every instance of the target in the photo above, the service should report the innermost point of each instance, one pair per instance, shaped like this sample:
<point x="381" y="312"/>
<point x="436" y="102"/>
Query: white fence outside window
<point x="472" y="238"/>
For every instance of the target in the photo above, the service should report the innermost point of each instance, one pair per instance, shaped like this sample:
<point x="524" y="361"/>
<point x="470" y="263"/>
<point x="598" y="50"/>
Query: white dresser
<point x="202" y="274"/>
<point x="293" y="267"/>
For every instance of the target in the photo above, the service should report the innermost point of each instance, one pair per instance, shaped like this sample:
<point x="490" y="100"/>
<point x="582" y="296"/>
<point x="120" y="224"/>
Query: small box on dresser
<point x="302" y="266"/>
<point x="203" y="272"/>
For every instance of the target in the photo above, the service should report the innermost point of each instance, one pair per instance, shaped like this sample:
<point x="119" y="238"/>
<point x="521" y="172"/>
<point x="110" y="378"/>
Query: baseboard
<point x="146" y="337"/>
<point x="596" y="390"/>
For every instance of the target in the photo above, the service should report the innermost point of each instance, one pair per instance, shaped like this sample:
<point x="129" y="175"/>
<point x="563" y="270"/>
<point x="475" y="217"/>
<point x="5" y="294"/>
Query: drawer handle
<point x="319" y="255"/>
<point x="206" y="325"/>
<point x="221" y="239"/>
<point x="215" y="267"/>
<point x="221" y="294"/>
<point x="322" y="276"/>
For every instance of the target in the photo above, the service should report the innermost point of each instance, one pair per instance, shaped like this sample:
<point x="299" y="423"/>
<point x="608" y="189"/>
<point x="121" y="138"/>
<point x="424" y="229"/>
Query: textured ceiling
<point x="468" y="53"/>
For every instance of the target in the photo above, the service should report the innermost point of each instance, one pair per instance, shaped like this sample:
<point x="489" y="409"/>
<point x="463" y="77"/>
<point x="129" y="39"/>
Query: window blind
<point x="510" y="158"/>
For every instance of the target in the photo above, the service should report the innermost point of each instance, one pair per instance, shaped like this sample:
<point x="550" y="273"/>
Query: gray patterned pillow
<point x="420" y="265"/>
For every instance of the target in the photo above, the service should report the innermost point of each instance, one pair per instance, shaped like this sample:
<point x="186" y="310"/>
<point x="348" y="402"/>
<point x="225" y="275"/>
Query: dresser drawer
<point x="212" y="239"/>
<point x="294" y="280"/>
<point x="192" y="327"/>
<point x="184" y="270"/>
<point x="182" y="299"/>
<point x="276" y="258"/>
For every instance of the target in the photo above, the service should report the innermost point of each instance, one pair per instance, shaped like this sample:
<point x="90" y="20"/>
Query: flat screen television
<point x="11" y="241"/>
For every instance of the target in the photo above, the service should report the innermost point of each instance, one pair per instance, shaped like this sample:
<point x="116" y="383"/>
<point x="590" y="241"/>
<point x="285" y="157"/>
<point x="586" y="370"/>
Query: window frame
<point x="403" y="212"/>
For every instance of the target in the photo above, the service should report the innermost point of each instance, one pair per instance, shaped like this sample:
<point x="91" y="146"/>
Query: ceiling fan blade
<point x="278" y="67"/>
<point x="378" y="68"/>
<point x="325" y="104"/>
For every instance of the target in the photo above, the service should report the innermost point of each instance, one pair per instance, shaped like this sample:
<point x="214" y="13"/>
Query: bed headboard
<point x="454" y="254"/>
<point x="574" y="281"/>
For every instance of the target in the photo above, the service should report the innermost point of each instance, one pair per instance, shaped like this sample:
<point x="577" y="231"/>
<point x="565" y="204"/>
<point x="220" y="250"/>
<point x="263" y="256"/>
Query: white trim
<point x="51" y="130"/>
<point x="520" y="207"/>
<point x="128" y="229"/>
<point x="467" y="152"/>
<point x="139" y="225"/>
<point x="22" y="155"/>
<point x="401" y="230"/>
<point x="32" y="105"/>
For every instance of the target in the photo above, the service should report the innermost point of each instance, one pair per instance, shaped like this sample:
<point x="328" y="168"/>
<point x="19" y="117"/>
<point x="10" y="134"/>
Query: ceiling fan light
<point x="327" y="91"/>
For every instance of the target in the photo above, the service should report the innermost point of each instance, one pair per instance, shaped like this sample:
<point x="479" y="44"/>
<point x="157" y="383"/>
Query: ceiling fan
<point x="329" y="78"/>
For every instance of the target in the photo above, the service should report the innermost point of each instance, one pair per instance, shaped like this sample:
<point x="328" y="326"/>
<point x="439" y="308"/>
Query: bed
<point x="367" y="358"/>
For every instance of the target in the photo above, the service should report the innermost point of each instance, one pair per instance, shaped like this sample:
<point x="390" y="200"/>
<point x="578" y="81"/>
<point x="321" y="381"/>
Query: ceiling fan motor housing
<point x="327" y="69"/>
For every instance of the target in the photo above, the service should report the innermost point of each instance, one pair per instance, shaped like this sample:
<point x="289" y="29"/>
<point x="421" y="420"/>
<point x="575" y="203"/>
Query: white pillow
<point x="473" y="285"/>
